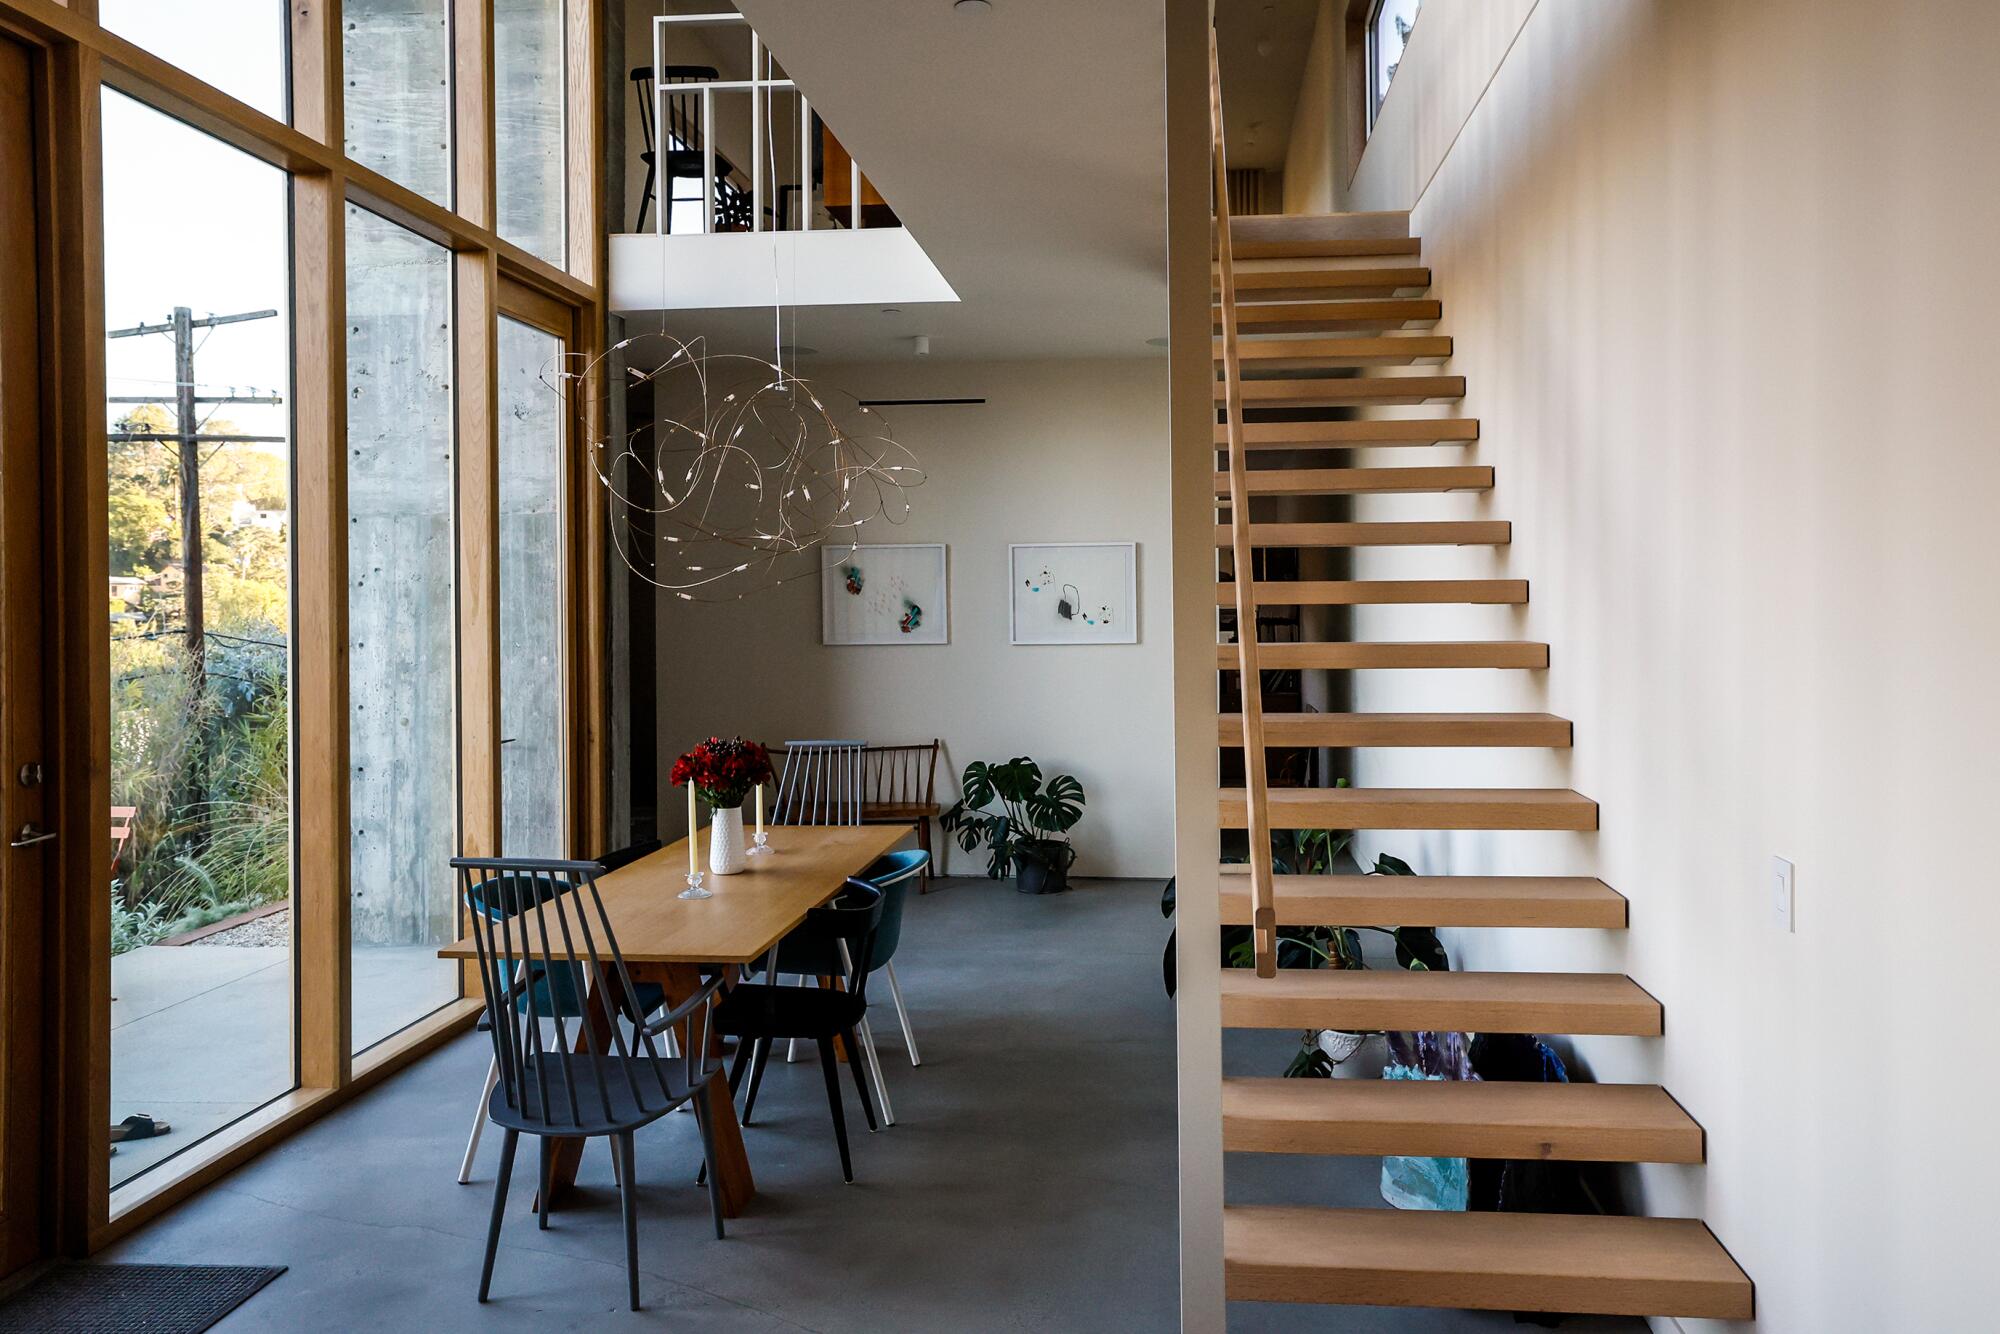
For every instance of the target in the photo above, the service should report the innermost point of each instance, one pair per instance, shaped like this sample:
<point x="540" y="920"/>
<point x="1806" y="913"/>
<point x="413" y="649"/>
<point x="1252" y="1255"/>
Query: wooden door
<point x="25" y="843"/>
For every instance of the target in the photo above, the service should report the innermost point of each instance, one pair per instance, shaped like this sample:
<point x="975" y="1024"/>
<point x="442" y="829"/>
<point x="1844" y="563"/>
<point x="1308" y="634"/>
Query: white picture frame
<point x="1073" y="593"/>
<point x="894" y="577"/>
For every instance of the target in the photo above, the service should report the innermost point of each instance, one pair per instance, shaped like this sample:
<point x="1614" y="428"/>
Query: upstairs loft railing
<point x="1256" y="784"/>
<point x="764" y="160"/>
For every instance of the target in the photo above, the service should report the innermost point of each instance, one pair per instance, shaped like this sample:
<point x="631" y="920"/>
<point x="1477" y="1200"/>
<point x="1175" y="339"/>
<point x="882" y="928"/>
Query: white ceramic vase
<point x="725" y="841"/>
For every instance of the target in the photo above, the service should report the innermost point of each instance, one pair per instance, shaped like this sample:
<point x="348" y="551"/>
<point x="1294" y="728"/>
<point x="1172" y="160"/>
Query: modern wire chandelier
<point x="744" y="472"/>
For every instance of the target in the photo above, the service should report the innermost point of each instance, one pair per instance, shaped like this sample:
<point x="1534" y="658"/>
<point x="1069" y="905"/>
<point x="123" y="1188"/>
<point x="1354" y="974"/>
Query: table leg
<point x="732" y="1161"/>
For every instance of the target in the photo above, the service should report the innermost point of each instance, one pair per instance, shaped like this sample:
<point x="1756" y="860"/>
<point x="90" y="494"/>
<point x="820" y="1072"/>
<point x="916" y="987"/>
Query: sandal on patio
<point x="138" y="1126"/>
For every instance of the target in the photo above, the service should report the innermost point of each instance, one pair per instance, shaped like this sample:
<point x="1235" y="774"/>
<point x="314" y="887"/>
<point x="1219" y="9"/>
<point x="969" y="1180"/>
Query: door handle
<point x="29" y="836"/>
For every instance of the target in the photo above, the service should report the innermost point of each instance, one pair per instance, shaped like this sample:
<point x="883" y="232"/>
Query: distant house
<point x="243" y="514"/>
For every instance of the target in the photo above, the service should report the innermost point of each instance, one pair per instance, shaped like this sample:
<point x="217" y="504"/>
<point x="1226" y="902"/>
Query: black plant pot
<point x="1048" y="875"/>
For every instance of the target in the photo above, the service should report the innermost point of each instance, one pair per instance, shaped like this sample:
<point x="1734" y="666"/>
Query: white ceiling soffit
<point x="713" y="270"/>
<point x="1024" y="149"/>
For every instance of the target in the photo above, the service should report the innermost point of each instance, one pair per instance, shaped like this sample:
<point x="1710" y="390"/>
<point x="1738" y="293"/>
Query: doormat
<point x="77" y="1298"/>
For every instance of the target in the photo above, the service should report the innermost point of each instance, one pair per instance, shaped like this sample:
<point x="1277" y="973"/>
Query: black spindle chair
<point x="759" y="1013"/>
<point x="540" y="930"/>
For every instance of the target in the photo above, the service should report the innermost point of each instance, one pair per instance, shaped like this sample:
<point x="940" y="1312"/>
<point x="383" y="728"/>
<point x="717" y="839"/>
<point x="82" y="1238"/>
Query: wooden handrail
<point x="1263" y="903"/>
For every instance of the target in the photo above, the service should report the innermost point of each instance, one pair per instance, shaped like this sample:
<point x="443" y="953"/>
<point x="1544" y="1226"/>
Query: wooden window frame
<point x="75" y="58"/>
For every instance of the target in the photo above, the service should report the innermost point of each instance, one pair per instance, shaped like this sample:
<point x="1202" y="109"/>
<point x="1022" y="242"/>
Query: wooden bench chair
<point x="899" y="786"/>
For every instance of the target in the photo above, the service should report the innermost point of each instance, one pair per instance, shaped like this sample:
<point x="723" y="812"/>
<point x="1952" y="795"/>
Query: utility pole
<point x="190" y="438"/>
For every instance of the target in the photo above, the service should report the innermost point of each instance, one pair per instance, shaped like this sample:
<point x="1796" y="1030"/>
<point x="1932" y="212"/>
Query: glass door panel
<point x="198" y="372"/>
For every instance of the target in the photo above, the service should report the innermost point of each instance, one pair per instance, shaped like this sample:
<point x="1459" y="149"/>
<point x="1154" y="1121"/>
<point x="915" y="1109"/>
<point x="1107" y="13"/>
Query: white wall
<point x="1061" y="451"/>
<point x="1312" y="174"/>
<point x="1721" y="278"/>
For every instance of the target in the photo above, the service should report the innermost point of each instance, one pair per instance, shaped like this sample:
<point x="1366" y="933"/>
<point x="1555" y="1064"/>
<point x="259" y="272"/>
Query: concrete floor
<point x="1029" y="1183"/>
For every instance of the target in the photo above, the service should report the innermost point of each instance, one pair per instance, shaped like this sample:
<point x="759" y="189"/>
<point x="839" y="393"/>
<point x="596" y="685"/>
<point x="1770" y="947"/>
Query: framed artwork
<point x="885" y="594"/>
<point x="1074" y="593"/>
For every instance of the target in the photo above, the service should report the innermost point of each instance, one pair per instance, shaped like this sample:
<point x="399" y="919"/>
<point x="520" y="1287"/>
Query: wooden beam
<point x="476" y="293"/>
<point x="321" y="883"/>
<point x="473" y="171"/>
<point x="73" y="260"/>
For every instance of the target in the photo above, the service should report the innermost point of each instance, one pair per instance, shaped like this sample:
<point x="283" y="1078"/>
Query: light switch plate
<point x="1783" y="895"/>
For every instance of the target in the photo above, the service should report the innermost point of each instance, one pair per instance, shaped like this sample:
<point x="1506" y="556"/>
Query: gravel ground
<point x="274" y="929"/>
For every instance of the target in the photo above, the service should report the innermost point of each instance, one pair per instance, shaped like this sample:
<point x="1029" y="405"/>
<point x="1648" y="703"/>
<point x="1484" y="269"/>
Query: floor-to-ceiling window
<point x="531" y="580"/>
<point x="529" y="133"/>
<point x="402" y="680"/>
<point x="278" y="494"/>
<point x="197" y="296"/>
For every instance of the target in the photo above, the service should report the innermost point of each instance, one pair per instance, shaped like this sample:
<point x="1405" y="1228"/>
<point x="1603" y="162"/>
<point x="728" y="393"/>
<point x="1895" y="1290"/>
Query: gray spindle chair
<point x="541" y="932"/>
<point x="822" y="783"/>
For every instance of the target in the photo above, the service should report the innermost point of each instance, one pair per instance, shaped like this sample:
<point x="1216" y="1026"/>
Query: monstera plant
<point x="1021" y="819"/>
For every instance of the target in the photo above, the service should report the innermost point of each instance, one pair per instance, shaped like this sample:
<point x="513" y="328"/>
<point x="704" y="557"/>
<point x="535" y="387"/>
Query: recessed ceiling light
<point x="972" y="6"/>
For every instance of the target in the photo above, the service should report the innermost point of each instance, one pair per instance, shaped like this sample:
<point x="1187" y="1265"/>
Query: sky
<point x="190" y="221"/>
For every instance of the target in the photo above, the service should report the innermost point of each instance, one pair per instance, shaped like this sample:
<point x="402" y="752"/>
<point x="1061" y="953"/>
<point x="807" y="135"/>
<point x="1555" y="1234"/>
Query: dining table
<point x="669" y="940"/>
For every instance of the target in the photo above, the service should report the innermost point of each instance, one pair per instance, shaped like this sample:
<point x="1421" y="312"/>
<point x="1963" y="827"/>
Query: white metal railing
<point x="762" y="90"/>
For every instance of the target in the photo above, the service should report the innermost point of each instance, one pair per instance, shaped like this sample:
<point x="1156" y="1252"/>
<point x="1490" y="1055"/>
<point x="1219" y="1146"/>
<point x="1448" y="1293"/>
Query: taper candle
<point x="693" y="867"/>
<point x="760" y="808"/>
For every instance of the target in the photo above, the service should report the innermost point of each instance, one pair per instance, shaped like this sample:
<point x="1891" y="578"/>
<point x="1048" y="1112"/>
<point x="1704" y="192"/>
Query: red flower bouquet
<point x="723" y="772"/>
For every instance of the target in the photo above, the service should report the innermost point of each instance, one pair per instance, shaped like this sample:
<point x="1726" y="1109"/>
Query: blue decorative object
<point x="1427" y="1183"/>
<point x="1423" y="1183"/>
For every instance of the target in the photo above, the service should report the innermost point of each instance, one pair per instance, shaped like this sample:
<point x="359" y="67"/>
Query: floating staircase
<point x="1313" y="315"/>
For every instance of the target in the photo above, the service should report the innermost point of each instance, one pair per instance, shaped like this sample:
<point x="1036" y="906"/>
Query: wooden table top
<point x="750" y="912"/>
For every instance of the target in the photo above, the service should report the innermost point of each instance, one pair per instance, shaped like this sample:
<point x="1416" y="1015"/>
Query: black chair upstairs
<point x="759" y="1013"/>
<point x="540" y="929"/>
<point x="680" y="145"/>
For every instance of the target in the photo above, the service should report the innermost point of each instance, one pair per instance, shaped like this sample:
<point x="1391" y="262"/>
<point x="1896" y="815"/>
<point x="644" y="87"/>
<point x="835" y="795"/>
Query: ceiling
<point x="1261" y="47"/>
<point x="1024" y="149"/>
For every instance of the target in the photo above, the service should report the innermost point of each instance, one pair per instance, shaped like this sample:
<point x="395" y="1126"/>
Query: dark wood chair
<point x="899" y="786"/>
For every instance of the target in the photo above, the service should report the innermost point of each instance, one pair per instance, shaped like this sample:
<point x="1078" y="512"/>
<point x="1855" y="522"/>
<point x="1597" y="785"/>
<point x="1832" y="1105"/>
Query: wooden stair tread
<point x="1397" y="998"/>
<point x="1590" y="1123"/>
<point x="1339" y="481"/>
<point x="1394" y="533"/>
<point x="1257" y="354"/>
<point x="1496" y="653"/>
<point x="1373" y="434"/>
<point x="1350" y="248"/>
<point x="1372" y="315"/>
<point x="1431" y="900"/>
<point x="1581" y="1263"/>
<point x="1378" y="592"/>
<point x="1403" y="729"/>
<point x="1304" y="284"/>
<point x="1360" y="247"/>
<point x="1416" y="808"/>
<point x="1346" y="391"/>
<point x="1318" y="228"/>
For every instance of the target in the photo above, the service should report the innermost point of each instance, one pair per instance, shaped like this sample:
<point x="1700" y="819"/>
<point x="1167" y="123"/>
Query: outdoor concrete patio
<point x="202" y="1033"/>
